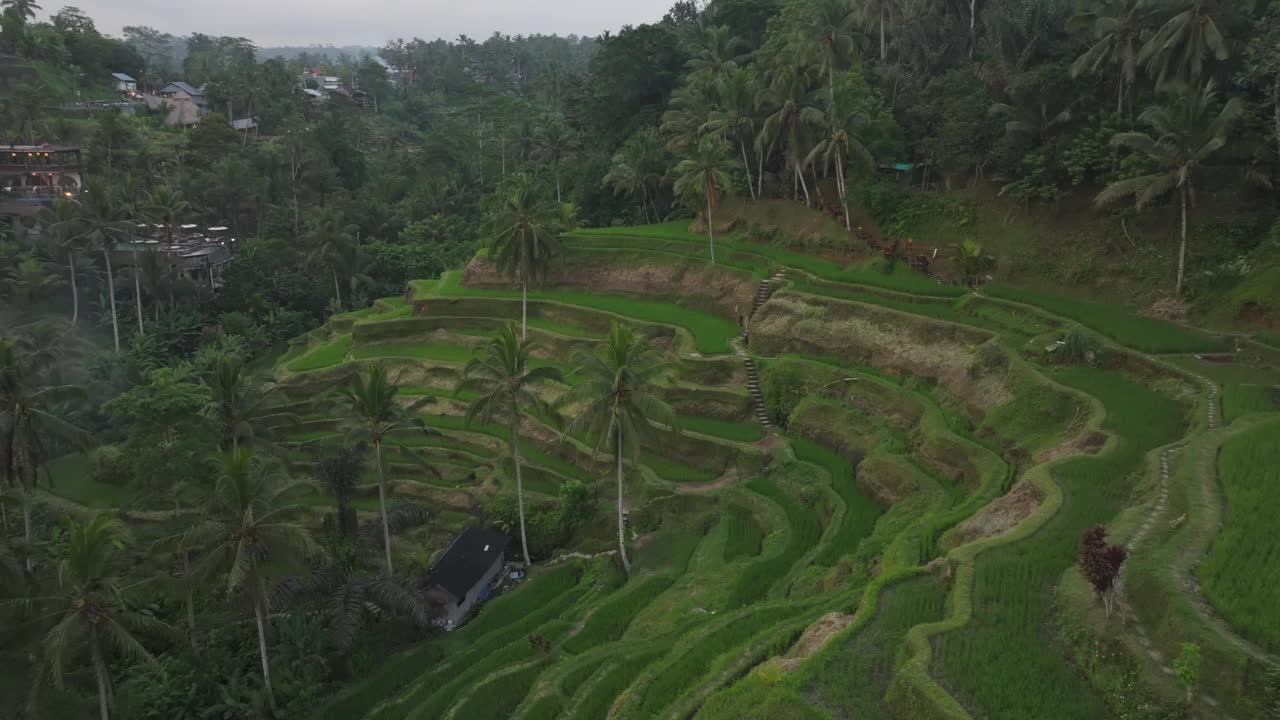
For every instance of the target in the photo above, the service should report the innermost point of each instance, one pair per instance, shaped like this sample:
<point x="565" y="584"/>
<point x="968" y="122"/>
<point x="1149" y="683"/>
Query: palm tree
<point x="846" y="131"/>
<point x="23" y="10"/>
<point x="243" y="407"/>
<point x="374" y="412"/>
<point x="874" y="15"/>
<point x="31" y="423"/>
<point x="332" y="246"/>
<point x="501" y="374"/>
<point x="338" y="470"/>
<point x="555" y="143"/>
<point x="1186" y="131"/>
<point x="64" y="227"/>
<point x="831" y="27"/>
<point x="734" y="116"/>
<point x="164" y="205"/>
<point x="705" y="173"/>
<point x="1118" y="28"/>
<point x="789" y="124"/>
<point x="637" y="167"/>
<point x="103" y="224"/>
<point x="1184" y="44"/>
<point x="523" y="244"/>
<point x="717" y="55"/>
<point x="250" y="521"/>
<point x="90" y="611"/>
<point x="615" y="401"/>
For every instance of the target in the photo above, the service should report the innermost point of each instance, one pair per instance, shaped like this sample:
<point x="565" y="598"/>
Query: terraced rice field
<point x="745" y="536"/>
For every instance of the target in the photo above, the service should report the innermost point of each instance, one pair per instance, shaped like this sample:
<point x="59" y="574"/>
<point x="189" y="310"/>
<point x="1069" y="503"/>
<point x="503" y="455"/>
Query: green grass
<point x="744" y="535"/>
<point x="803" y="531"/>
<point x="1240" y="400"/>
<point x="870" y="655"/>
<point x="418" y="351"/>
<point x="1145" y="334"/>
<point x="601" y="695"/>
<point x="547" y="707"/>
<point x="679" y="673"/>
<point x="498" y="696"/>
<point x="1241" y="571"/>
<point x="711" y="334"/>
<point x="327" y="355"/>
<point x="610" y="620"/>
<point x="1000" y="664"/>
<point x="861" y="511"/>
<point x="676" y="472"/>
<point x="70" y="477"/>
<point x="745" y="432"/>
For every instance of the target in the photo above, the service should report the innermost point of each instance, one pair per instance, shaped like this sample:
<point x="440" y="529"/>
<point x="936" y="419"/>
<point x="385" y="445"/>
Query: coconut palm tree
<point x="791" y="123"/>
<point x="374" y="412"/>
<point x="1183" y="46"/>
<point x="555" y="142"/>
<point x="874" y="16"/>
<point x="523" y="245"/>
<point x="734" y="116"/>
<point x="637" y="168"/>
<point x="24" y="10"/>
<point x="1118" y="28"/>
<point x="831" y="28"/>
<point x="615" y="402"/>
<point x="103" y="223"/>
<point x="244" y="407"/>
<point x="333" y="247"/>
<point x="63" y="226"/>
<point x="507" y="387"/>
<point x="705" y="173"/>
<point x="164" y="206"/>
<point x="250" y="521"/>
<point x="32" y="424"/>
<point x="90" y="611"/>
<point x="845" y="140"/>
<point x="1186" y="131"/>
<point x="716" y="55"/>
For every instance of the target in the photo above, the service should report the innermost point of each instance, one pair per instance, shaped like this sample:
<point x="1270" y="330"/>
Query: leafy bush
<point x="109" y="464"/>
<point x="1079" y="346"/>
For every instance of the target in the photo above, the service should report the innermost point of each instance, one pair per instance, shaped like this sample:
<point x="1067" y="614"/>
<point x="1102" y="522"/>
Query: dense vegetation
<point x="704" y="306"/>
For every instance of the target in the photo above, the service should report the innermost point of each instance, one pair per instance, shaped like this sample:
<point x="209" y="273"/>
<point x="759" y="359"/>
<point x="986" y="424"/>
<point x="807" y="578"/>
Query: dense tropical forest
<point x="820" y="359"/>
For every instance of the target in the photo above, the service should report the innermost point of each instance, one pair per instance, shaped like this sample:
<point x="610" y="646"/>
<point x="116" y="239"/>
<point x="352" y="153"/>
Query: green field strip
<point x="711" y="334"/>
<point x="803" y="533"/>
<point x="851" y="677"/>
<point x="329" y="354"/>
<point x="858" y="520"/>
<point x="501" y="619"/>
<point x="998" y="663"/>
<point x="1241" y="571"/>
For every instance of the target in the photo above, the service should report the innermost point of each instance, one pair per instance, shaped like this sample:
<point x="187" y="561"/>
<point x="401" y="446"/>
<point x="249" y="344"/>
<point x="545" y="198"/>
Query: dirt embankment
<point x="998" y="517"/>
<point x="814" y="637"/>
<point x="723" y="291"/>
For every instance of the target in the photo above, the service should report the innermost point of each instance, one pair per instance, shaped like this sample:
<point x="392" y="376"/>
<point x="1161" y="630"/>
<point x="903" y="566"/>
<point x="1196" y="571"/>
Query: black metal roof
<point x="466" y="561"/>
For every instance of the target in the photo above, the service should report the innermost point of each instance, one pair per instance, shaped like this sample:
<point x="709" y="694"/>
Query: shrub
<point x="110" y="465"/>
<point x="1079" y="346"/>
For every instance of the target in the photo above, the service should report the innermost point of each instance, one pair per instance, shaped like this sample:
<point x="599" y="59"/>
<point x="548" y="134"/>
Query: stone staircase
<point x="764" y="291"/>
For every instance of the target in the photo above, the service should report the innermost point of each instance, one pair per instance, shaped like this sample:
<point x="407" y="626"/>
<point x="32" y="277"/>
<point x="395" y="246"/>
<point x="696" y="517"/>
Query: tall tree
<point x="103" y="224"/>
<point x="523" y="243"/>
<point x="734" y="116"/>
<point x="251" y="521"/>
<point x="874" y="16"/>
<point x="64" y="229"/>
<point x="1182" y="48"/>
<point x="32" y="425"/>
<point x="164" y="206"/>
<point x="556" y="143"/>
<point x="705" y="173"/>
<point x="1117" y="28"/>
<point x="616" y="404"/>
<point x="244" y="407"/>
<point x="1186" y="131"/>
<point x="374" y="412"/>
<point x="507" y="388"/>
<point x="333" y="247"/>
<point x="90" y="611"/>
<point x="831" y="28"/>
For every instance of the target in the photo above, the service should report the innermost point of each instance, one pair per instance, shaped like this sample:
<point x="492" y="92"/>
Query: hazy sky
<point x="373" y="22"/>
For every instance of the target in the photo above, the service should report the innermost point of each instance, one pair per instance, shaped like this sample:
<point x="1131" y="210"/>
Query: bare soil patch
<point x="1089" y="444"/>
<point x="1000" y="516"/>
<point x="813" y="638"/>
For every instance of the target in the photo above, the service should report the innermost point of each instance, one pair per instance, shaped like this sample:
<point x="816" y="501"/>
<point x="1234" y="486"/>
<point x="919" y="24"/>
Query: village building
<point x="123" y="84"/>
<point x="463" y="577"/>
<point x="32" y="176"/>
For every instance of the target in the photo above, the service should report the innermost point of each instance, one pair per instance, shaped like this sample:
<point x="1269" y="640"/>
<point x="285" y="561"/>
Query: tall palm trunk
<point x="622" y="541"/>
<point x="884" y="47"/>
<point x="337" y="289"/>
<point x="524" y="310"/>
<point x="746" y="165"/>
<point x="99" y="673"/>
<point x="711" y="233"/>
<point x="1120" y="94"/>
<point x="111" y="295"/>
<point x="75" y="289"/>
<point x="1182" y="250"/>
<point x="803" y="185"/>
<point x="844" y="197"/>
<point x="515" y="458"/>
<point x="188" y="589"/>
<point x="28" y="533"/>
<point x="382" y="504"/>
<point x="259" y="616"/>
<point x="558" y="200"/>
<point x="137" y="289"/>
